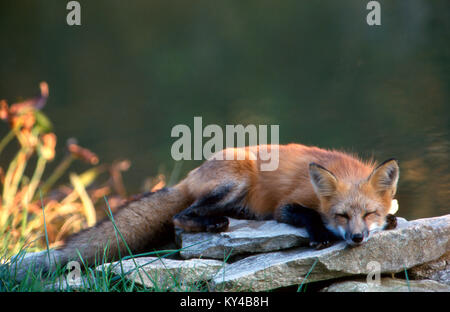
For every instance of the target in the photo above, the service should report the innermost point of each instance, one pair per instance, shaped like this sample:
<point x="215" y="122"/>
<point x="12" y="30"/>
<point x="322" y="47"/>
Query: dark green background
<point x="134" y="69"/>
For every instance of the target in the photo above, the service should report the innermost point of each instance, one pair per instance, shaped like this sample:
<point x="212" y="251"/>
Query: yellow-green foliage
<point x="24" y="198"/>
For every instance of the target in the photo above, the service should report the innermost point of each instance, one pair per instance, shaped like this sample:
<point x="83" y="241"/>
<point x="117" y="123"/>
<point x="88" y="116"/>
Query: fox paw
<point x="320" y="245"/>
<point x="217" y="224"/>
<point x="321" y="239"/>
<point x="391" y="222"/>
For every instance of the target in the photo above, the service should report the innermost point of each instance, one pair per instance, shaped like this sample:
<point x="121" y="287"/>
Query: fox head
<point x="353" y="210"/>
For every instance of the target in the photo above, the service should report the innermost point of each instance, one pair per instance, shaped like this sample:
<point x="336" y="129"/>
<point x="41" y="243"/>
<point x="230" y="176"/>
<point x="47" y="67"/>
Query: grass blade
<point x="306" y="277"/>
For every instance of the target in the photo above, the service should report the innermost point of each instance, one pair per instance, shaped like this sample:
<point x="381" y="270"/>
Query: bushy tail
<point x="143" y="223"/>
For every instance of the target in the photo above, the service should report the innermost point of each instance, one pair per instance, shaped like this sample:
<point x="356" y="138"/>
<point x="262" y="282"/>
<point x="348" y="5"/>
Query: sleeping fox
<point x="334" y="195"/>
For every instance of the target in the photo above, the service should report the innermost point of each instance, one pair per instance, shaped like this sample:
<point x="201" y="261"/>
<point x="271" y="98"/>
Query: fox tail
<point x="144" y="223"/>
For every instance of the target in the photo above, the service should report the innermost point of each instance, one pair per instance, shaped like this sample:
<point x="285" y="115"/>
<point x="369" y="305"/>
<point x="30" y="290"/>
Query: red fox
<point x="334" y="195"/>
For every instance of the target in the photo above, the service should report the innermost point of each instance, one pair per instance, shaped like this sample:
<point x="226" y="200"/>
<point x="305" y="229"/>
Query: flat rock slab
<point x="242" y="237"/>
<point x="66" y="283"/>
<point x="389" y="285"/>
<point x="163" y="274"/>
<point x="412" y="243"/>
<point x="21" y="265"/>
<point x="438" y="270"/>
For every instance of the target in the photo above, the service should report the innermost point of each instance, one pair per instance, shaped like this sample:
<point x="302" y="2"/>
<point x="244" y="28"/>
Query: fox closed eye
<point x="370" y="213"/>
<point x="343" y="215"/>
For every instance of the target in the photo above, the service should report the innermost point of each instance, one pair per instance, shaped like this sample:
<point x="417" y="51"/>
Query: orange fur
<point x="290" y="183"/>
<point x="330" y="182"/>
<point x="356" y="186"/>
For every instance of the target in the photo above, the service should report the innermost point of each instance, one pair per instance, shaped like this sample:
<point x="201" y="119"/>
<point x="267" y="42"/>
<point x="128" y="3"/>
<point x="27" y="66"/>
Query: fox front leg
<point x="320" y="237"/>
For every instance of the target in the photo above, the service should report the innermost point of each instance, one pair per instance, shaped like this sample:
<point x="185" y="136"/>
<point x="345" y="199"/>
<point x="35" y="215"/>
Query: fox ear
<point x="384" y="178"/>
<point x="323" y="180"/>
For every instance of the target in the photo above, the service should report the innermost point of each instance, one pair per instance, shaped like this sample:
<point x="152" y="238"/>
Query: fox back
<point x="332" y="194"/>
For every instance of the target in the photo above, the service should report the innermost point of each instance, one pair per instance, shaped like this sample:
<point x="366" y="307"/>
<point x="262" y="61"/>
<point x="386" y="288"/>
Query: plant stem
<point x="31" y="189"/>
<point x="6" y="140"/>
<point x="89" y="210"/>
<point x="57" y="173"/>
<point x="13" y="177"/>
<point x="45" y="229"/>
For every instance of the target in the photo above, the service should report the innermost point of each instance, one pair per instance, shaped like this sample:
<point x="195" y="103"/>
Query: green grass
<point x="299" y="289"/>
<point x="23" y="227"/>
<point x="98" y="278"/>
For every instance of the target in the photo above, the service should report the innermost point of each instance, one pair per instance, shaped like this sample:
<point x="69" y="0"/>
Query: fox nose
<point x="357" y="238"/>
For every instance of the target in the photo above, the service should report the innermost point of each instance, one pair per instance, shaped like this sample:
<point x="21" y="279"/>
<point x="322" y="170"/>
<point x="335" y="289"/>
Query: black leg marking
<point x="391" y="222"/>
<point x="207" y="213"/>
<point x="294" y="214"/>
<point x="213" y="198"/>
<point x="209" y="205"/>
<point x="202" y="224"/>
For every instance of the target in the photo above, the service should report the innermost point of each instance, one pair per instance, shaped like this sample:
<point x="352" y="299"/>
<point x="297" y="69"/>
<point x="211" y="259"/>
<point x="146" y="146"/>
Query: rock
<point x="165" y="274"/>
<point x="242" y="237"/>
<point x="410" y="244"/>
<point x="388" y="285"/>
<point x="65" y="283"/>
<point x="26" y="264"/>
<point x="273" y="270"/>
<point x="438" y="270"/>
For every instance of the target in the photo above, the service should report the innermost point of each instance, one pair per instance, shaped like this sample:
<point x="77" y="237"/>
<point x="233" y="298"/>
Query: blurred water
<point x="131" y="71"/>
